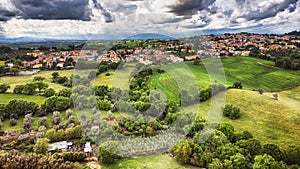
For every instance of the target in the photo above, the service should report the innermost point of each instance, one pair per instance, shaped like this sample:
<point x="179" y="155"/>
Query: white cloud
<point x="131" y="17"/>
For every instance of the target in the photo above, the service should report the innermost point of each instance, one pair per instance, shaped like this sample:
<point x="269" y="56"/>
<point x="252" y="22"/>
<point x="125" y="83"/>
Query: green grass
<point x="117" y="78"/>
<point x="252" y="72"/>
<point x="21" y="80"/>
<point x="6" y="98"/>
<point x="269" y="120"/>
<point x="254" y="75"/>
<point x="151" y="162"/>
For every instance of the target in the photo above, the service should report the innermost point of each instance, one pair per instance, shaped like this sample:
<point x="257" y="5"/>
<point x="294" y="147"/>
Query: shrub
<point x="12" y="122"/>
<point x="231" y="112"/>
<point x="49" y="92"/>
<point x="72" y="156"/>
<point x="108" y="152"/>
<point x="260" y="91"/>
<point x="4" y="88"/>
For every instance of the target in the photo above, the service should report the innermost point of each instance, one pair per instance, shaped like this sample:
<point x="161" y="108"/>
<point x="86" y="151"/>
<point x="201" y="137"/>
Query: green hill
<point x="252" y="72"/>
<point x="269" y="120"/>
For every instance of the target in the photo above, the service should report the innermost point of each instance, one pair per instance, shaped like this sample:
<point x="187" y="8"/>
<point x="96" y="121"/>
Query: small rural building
<point x="62" y="146"/>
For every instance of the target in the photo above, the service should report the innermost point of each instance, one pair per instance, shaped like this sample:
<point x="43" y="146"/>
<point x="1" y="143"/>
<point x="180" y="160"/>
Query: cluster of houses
<point x="235" y="44"/>
<point x="213" y="46"/>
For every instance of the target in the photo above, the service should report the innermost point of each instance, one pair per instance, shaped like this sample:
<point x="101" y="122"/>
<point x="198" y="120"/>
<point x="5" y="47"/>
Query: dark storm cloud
<point x="271" y="10"/>
<point x="5" y="14"/>
<point x="107" y="15"/>
<point x="54" y="9"/>
<point x="188" y="7"/>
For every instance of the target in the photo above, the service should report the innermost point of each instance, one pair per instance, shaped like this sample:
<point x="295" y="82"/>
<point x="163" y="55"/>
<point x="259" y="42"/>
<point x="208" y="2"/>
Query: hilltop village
<point x="145" y="51"/>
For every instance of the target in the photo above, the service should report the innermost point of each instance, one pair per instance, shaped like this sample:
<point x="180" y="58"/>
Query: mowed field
<point x="7" y="97"/>
<point x="151" y="162"/>
<point x="21" y="80"/>
<point x="269" y="120"/>
<point x="252" y="72"/>
<point x="118" y="78"/>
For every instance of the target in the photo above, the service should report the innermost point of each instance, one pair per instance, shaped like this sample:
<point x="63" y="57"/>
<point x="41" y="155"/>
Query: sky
<point x="119" y="19"/>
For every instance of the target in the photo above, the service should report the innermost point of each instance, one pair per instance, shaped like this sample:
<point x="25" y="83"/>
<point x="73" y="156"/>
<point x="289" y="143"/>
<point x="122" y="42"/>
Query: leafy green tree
<point x="237" y="85"/>
<point x="57" y="103"/>
<point x="251" y="146"/>
<point x="65" y="93"/>
<point x="108" y="152"/>
<point x="238" y="161"/>
<point x="274" y="151"/>
<point x="55" y="75"/>
<point x="231" y="112"/>
<point x="264" y="162"/>
<point x="104" y="104"/>
<point x="150" y="131"/>
<point x="41" y="146"/>
<point x="18" y="89"/>
<point x="21" y="107"/>
<point x="50" y="134"/>
<point x="245" y="135"/>
<point x="226" y="151"/>
<point x="227" y="129"/>
<point x="49" y="92"/>
<point x="182" y="152"/>
<point x="216" y="164"/>
<point x="29" y="89"/>
<point x="41" y="86"/>
<point x="292" y="154"/>
<point x="4" y="88"/>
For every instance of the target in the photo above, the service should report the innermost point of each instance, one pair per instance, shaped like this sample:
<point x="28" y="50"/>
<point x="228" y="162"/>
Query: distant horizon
<point x="155" y="36"/>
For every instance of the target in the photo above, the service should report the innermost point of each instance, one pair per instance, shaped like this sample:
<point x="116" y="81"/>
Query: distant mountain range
<point x="23" y="40"/>
<point x="144" y="36"/>
<point x="293" y="33"/>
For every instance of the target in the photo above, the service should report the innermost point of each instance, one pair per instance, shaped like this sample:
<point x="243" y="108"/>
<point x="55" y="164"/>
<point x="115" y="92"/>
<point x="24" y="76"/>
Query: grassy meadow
<point x="7" y="97"/>
<point x="151" y="162"/>
<point x="269" y="120"/>
<point x="118" y="78"/>
<point x="22" y="80"/>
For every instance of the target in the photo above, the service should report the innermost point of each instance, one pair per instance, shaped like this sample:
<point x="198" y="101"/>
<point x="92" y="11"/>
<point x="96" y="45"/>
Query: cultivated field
<point x="252" y="72"/>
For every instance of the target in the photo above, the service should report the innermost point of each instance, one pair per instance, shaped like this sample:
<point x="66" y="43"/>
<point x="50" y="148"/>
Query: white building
<point x="87" y="147"/>
<point x="62" y="145"/>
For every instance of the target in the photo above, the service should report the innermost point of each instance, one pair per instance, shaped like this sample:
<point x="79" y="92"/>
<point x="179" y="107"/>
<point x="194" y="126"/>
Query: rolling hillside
<point x="252" y="72"/>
